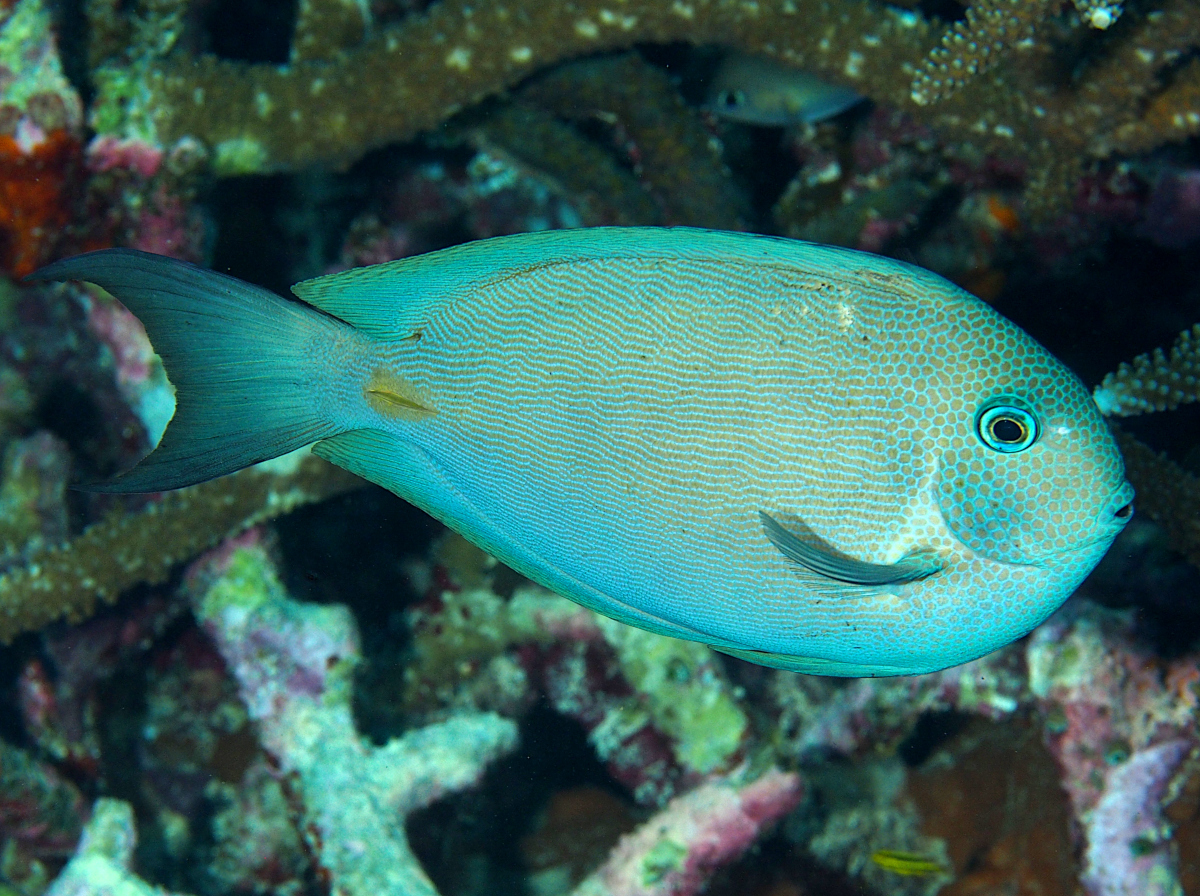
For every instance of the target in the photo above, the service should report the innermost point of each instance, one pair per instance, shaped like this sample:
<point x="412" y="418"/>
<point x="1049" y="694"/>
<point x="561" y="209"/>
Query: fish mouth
<point x="1122" y="504"/>
<point x="1117" y="513"/>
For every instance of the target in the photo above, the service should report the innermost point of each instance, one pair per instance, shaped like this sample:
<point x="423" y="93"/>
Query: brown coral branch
<point x="601" y="190"/>
<point x="326" y="27"/>
<point x="428" y="67"/>
<point x="1127" y="100"/>
<point x="676" y="155"/>
<point x="1172" y="115"/>
<point x="126" y="550"/>
<point x="1166" y="493"/>
<point x="410" y="77"/>
<point x="971" y="47"/>
<point x="1155" y="381"/>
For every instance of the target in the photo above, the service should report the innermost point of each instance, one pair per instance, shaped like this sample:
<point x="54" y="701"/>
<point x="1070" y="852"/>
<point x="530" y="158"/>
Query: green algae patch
<point x="685" y="694"/>
<point x="239" y="155"/>
<point x="248" y="583"/>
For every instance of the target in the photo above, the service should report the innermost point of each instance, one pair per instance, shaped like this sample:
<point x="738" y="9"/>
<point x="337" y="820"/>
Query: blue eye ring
<point x="1007" y="425"/>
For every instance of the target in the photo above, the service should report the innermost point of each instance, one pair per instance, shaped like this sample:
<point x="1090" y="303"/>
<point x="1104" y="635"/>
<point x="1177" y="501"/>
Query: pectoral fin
<point x="819" y="557"/>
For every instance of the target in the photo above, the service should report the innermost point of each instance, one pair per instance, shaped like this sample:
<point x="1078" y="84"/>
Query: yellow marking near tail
<point x="394" y="397"/>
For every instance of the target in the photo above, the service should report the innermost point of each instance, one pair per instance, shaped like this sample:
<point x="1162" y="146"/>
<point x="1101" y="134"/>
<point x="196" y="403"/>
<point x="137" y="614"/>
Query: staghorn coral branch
<point x="973" y="46"/>
<point x="1166" y="492"/>
<point x="677" y="156"/>
<point x="602" y="190"/>
<point x="1155" y="381"/>
<point x="326" y="27"/>
<point x="676" y="851"/>
<point x="1172" y="115"/>
<point x="1127" y="100"/>
<point x="126" y="550"/>
<point x="1159" y="381"/>
<point x="102" y="863"/>
<point x="428" y="67"/>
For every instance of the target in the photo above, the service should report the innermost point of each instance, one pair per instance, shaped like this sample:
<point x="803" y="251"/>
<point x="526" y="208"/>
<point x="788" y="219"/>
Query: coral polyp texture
<point x="986" y="85"/>
<point x="287" y="682"/>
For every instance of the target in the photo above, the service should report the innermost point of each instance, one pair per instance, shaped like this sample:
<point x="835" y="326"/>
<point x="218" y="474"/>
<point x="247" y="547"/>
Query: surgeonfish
<point x="806" y="456"/>
<point x="758" y="90"/>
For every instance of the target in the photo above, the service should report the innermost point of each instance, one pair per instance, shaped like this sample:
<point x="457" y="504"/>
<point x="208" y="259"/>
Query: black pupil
<point x="1006" y="429"/>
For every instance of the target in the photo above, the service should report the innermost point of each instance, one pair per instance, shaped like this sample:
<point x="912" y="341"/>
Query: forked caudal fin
<point x="247" y="380"/>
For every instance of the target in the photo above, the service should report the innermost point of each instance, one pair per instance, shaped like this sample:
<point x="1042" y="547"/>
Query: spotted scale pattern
<point x="610" y="411"/>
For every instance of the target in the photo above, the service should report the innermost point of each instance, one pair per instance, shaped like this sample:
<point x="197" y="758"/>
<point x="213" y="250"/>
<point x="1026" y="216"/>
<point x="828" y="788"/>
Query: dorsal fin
<point x="388" y="301"/>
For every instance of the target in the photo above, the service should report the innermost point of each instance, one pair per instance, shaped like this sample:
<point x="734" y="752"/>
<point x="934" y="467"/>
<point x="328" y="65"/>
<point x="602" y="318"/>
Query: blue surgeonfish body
<point x="809" y="457"/>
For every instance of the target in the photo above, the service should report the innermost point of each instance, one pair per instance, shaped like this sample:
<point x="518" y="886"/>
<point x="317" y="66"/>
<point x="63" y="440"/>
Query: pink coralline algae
<point x="1127" y="852"/>
<point x="1120" y="722"/>
<point x="293" y="663"/>
<point x="676" y="851"/>
<point x="109" y="153"/>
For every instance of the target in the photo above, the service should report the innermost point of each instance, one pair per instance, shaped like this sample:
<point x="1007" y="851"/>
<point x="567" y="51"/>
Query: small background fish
<point x="757" y="90"/>
<point x="909" y="864"/>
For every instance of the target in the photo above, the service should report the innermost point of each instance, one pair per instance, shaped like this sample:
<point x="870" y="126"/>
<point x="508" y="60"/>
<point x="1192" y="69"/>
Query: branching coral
<point x="676" y="156"/>
<point x="675" y="852"/>
<point x="430" y="66"/>
<point x="975" y="45"/>
<point x="603" y="191"/>
<point x="294" y="663"/>
<point x="427" y="67"/>
<point x="1159" y="381"/>
<point x="659" y="711"/>
<point x="1166" y="492"/>
<point x="991" y="30"/>
<point x="1155" y="381"/>
<point x="102" y="863"/>
<point x="125" y="550"/>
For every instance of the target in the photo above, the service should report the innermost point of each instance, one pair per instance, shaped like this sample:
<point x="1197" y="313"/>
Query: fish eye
<point x="1006" y="426"/>
<point x="731" y="99"/>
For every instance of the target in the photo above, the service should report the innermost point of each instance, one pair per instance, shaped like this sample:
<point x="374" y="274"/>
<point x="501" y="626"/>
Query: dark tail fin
<point x="244" y="363"/>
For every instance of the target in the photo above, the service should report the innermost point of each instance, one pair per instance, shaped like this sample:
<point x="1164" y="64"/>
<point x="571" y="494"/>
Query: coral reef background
<point x="286" y="681"/>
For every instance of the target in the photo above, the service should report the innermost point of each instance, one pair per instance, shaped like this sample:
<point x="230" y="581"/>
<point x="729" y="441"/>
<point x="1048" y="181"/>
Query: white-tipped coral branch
<point x="101" y="864"/>
<point x="293" y="663"/>
<point x="1155" y="381"/>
